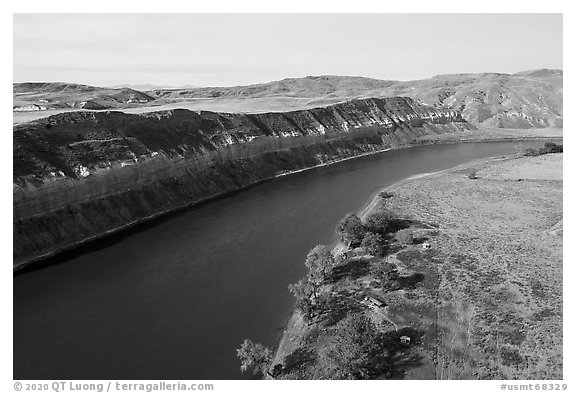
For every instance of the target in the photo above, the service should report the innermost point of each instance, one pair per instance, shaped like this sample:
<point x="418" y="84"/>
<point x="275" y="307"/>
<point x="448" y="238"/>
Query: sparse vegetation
<point x="473" y="174"/>
<point x="405" y="236"/>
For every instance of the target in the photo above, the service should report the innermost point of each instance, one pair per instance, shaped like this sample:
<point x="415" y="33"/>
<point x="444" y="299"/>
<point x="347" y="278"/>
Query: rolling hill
<point x="523" y="100"/>
<point x="57" y="95"/>
<point x="529" y="99"/>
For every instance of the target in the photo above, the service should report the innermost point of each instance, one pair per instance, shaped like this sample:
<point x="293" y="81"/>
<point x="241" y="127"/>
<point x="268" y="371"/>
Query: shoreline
<point x="295" y="324"/>
<point x="374" y="200"/>
<point x="48" y="258"/>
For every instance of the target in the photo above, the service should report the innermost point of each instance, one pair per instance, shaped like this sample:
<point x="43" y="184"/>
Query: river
<point x="174" y="299"/>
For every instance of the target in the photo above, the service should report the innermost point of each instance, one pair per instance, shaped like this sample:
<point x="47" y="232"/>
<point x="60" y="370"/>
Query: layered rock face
<point x="80" y="175"/>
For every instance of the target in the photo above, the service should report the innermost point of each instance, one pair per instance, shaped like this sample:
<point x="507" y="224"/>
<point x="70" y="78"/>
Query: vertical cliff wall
<point x="80" y="175"/>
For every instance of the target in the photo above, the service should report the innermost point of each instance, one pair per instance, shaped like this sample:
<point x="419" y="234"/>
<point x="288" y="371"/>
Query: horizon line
<point x="127" y="84"/>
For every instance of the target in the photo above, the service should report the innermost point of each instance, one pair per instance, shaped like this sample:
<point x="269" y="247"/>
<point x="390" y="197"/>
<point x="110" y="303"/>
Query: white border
<point x="259" y="6"/>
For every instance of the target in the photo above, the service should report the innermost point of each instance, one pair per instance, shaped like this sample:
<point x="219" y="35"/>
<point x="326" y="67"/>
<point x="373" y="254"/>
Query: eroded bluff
<point x="80" y="175"/>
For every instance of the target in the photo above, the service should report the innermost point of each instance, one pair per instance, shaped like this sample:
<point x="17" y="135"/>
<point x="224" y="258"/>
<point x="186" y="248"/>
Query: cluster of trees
<point x="309" y="300"/>
<point x="350" y="229"/>
<point x="353" y="349"/>
<point x="369" y="234"/>
<point x="255" y="357"/>
<point x="319" y="261"/>
<point x="549" y="147"/>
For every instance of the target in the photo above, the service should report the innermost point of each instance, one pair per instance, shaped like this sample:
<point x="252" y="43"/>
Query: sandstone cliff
<point x="80" y="175"/>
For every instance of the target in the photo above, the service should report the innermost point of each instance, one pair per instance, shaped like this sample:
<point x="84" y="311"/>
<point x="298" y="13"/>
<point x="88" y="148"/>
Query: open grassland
<point x="490" y="302"/>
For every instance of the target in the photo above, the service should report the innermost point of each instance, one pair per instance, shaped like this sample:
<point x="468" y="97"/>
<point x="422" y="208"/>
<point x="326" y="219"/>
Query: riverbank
<point x="482" y="307"/>
<point x="460" y="137"/>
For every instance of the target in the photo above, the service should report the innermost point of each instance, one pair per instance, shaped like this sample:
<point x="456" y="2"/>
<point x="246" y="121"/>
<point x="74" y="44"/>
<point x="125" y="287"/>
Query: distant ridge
<point x="148" y="87"/>
<point x="541" y="73"/>
<point x="496" y="100"/>
<point x="52" y="95"/>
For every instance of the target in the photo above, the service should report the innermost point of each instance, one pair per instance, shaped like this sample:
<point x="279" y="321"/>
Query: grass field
<point x="491" y="302"/>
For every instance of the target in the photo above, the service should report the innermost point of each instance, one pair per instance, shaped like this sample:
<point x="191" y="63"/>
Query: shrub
<point x="473" y="174"/>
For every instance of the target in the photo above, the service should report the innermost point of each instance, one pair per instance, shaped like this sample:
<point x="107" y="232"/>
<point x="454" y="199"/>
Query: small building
<point x="425" y="245"/>
<point x="405" y="340"/>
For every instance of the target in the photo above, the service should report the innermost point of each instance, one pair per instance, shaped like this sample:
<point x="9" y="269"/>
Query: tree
<point x="254" y="357"/>
<point x="372" y="244"/>
<point x="350" y="229"/>
<point x="354" y="349"/>
<point x="378" y="222"/>
<point x="551" y="147"/>
<point x="318" y="261"/>
<point x="388" y="275"/>
<point x="304" y="291"/>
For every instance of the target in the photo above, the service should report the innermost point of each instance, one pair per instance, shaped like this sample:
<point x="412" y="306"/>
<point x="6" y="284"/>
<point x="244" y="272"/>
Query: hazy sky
<point x="233" y="49"/>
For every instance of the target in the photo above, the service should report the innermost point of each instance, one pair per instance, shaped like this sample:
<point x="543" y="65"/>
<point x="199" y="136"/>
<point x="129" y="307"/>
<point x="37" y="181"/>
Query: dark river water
<point x="174" y="300"/>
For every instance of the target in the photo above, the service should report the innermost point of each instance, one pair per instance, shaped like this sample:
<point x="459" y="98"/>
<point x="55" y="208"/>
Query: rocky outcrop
<point x="80" y="175"/>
